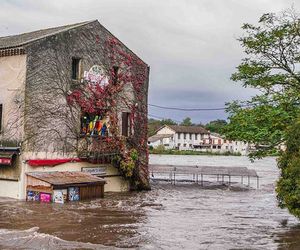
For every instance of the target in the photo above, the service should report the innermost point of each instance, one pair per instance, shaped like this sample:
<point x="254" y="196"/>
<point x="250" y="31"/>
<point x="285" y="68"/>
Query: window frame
<point x="76" y="68"/>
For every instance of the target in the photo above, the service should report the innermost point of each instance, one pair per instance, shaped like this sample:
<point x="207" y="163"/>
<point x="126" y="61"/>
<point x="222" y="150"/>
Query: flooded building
<point x="73" y="104"/>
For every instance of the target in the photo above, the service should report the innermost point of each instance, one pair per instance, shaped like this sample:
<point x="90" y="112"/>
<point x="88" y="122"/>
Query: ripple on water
<point x="168" y="217"/>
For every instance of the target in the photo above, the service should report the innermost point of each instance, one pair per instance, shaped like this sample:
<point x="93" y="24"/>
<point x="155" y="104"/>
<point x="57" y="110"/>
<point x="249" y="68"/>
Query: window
<point x="94" y="125"/>
<point x="184" y="136"/>
<point x="126" y="126"/>
<point x="1" y="111"/>
<point x="196" y="136"/>
<point x="179" y="144"/>
<point x="178" y="136"/>
<point x="115" y="76"/>
<point x="190" y="136"/>
<point x="76" y="68"/>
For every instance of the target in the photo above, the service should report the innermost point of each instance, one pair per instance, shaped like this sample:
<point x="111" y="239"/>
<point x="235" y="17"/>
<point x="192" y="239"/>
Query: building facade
<point x="195" y="138"/>
<point x="44" y="128"/>
<point x="179" y="137"/>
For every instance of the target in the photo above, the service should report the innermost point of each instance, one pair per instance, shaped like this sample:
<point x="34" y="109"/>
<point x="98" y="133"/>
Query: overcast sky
<point x="190" y="45"/>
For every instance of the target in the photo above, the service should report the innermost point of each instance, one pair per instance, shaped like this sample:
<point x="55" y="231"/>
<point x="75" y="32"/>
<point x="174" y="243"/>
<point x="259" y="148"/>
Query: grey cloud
<point x="190" y="44"/>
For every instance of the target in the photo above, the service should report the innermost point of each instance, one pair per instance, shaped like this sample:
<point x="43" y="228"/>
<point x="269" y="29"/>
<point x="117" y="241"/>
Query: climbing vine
<point x="124" y="88"/>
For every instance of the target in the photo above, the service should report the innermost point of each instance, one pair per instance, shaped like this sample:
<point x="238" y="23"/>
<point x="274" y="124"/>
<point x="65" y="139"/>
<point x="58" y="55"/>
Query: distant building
<point x="179" y="137"/>
<point x="195" y="138"/>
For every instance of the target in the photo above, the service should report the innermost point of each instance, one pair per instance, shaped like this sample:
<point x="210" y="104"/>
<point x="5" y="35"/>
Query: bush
<point x="288" y="185"/>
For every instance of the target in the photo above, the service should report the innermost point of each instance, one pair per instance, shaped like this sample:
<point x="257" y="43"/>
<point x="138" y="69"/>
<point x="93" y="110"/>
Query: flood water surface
<point x="184" y="216"/>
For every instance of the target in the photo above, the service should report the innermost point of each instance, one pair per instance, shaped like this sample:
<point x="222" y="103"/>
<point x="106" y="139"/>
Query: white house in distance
<point x="179" y="137"/>
<point x="195" y="138"/>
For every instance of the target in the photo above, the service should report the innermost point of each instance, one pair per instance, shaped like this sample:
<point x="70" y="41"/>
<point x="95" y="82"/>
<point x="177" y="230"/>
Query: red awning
<point x="5" y="161"/>
<point x="51" y="162"/>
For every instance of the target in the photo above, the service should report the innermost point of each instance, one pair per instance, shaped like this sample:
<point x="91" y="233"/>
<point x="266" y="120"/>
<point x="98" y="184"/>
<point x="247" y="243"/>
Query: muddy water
<point x="182" y="217"/>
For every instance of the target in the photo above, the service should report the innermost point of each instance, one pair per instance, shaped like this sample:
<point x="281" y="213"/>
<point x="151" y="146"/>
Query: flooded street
<point x="185" y="216"/>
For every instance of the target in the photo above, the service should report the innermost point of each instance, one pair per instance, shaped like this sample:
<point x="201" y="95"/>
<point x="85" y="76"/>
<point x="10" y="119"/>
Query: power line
<point x="163" y="118"/>
<point x="186" y="109"/>
<point x="195" y="109"/>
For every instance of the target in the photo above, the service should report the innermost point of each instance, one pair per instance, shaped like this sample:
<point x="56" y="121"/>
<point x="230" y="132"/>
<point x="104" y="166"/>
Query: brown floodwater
<point x="185" y="216"/>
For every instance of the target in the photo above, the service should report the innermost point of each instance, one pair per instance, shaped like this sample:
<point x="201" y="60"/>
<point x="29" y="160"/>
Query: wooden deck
<point x="196" y="174"/>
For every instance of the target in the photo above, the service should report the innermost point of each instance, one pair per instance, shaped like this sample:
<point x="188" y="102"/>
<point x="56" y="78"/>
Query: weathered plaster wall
<point x="10" y="189"/>
<point x="166" y="130"/>
<point x="12" y="83"/>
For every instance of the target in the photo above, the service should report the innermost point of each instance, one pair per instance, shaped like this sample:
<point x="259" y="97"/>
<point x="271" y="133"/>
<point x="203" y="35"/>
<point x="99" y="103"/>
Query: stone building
<point x="40" y="131"/>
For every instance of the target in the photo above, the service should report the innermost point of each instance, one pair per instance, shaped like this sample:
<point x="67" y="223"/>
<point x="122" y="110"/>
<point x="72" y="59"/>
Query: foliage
<point x="216" y="126"/>
<point x="154" y="125"/>
<point x="268" y="119"/>
<point x="187" y="122"/>
<point x="288" y="186"/>
<point x="273" y="53"/>
<point x="127" y="165"/>
<point x="106" y="100"/>
<point x="163" y="151"/>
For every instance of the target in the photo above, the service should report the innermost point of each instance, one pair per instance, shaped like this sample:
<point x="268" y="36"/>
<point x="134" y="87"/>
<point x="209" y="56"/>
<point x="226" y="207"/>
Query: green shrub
<point x="288" y="185"/>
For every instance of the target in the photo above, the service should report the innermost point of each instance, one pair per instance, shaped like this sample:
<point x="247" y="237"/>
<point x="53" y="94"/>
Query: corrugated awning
<point x="66" y="178"/>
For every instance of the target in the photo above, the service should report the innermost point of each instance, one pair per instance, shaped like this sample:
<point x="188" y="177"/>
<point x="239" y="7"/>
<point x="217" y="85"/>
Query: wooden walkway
<point x="196" y="174"/>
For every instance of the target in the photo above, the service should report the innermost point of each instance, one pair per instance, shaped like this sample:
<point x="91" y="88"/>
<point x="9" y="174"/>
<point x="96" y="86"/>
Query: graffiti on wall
<point x="96" y="75"/>
<point x="73" y="193"/>
<point x="46" y="198"/>
<point x="33" y="196"/>
<point x="60" y="196"/>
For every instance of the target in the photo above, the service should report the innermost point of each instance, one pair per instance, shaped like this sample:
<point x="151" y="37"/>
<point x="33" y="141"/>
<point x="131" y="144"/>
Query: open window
<point x="76" y="68"/>
<point x="94" y="125"/>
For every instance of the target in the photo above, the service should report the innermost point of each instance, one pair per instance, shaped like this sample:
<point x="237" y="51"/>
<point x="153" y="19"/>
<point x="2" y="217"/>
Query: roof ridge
<point x="51" y="31"/>
<point x="49" y="28"/>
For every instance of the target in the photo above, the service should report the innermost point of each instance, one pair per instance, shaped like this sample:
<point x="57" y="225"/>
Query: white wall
<point x="12" y="85"/>
<point x="10" y="189"/>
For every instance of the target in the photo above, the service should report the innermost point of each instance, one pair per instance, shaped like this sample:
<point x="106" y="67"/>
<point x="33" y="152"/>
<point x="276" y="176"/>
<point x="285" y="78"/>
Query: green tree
<point x="154" y="125"/>
<point x="187" y="122"/>
<point x="216" y="126"/>
<point x="272" y="66"/>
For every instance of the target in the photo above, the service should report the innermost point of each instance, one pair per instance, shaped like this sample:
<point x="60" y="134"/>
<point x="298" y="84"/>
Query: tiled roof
<point x="188" y="129"/>
<point x="25" y="38"/>
<point x="158" y="137"/>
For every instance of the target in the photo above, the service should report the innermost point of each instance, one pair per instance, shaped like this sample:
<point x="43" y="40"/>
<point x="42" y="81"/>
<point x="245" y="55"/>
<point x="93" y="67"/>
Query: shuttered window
<point x="126" y="124"/>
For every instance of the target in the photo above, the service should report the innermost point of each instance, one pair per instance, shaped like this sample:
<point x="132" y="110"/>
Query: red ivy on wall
<point x="103" y="99"/>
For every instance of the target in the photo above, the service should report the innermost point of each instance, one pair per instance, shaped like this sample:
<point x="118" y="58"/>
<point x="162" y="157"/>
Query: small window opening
<point x="126" y="126"/>
<point x="115" y="76"/>
<point x="75" y="68"/>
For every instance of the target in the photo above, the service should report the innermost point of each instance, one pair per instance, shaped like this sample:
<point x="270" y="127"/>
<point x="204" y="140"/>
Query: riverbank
<point x="189" y="152"/>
